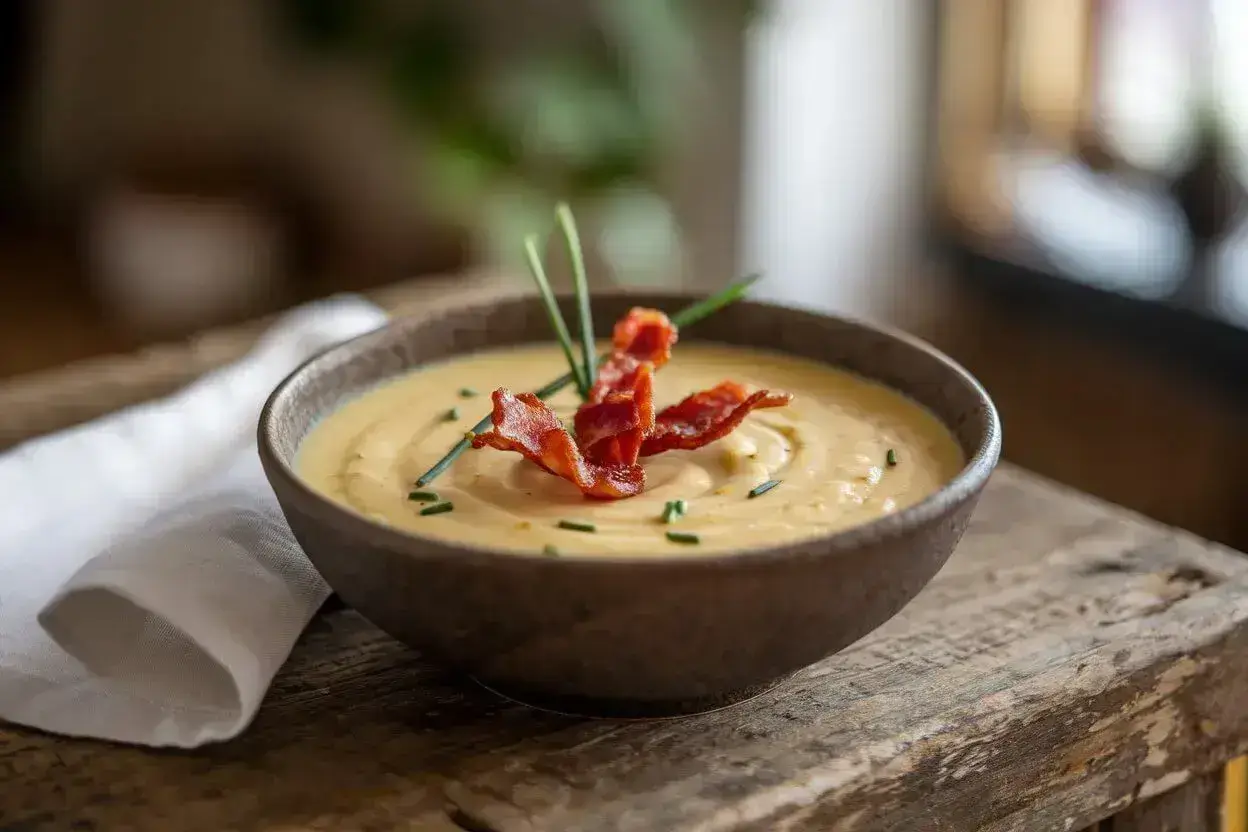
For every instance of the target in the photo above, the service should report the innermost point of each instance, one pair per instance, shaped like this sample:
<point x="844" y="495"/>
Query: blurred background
<point x="1050" y="190"/>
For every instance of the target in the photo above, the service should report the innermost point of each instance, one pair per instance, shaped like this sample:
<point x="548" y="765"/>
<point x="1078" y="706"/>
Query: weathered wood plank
<point x="1072" y="660"/>
<point x="1196" y="806"/>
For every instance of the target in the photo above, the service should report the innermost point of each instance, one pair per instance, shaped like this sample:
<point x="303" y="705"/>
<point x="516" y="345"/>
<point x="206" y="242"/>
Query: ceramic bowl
<point x="613" y="635"/>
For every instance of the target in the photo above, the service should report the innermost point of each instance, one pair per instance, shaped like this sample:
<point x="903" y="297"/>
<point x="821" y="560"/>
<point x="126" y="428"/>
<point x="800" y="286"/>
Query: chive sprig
<point x="552" y="311"/>
<point x="580" y="283"/>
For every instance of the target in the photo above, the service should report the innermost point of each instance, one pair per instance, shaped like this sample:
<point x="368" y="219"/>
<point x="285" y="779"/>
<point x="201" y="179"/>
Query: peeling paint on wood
<point x="1071" y="661"/>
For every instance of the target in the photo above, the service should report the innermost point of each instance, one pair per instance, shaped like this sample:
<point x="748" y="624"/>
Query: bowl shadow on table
<point x="360" y="725"/>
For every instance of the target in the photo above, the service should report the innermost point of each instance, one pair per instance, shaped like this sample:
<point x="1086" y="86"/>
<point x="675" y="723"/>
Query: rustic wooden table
<point x="1072" y="662"/>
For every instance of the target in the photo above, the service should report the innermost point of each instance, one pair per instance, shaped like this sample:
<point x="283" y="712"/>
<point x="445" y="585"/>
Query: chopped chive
<point x="891" y="457"/>
<point x="671" y="513"/>
<point x="469" y="435"/>
<point x="685" y="317"/>
<point x="549" y="549"/>
<point x="683" y="537"/>
<point x="424" y="496"/>
<point x="577" y="526"/>
<point x="682" y="507"/>
<point x="760" y="490"/>
<point x="552" y="312"/>
<point x="467" y="392"/>
<point x="438" y="508"/>
<point x="451" y="415"/>
<point x="567" y="223"/>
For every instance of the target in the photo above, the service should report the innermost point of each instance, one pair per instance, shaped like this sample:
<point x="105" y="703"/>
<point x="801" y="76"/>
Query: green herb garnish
<point x="686" y="317"/>
<point x="683" y="537"/>
<point x="760" y="490"/>
<point x="580" y="282"/>
<point x="424" y="496"/>
<point x="891" y="457"/>
<point x="549" y="549"/>
<point x="438" y="508"/>
<point x="467" y="392"/>
<point x="673" y="510"/>
<point x="552" y="312"/>
<point x="451" y="415"/>
<point x="577" y="526"/>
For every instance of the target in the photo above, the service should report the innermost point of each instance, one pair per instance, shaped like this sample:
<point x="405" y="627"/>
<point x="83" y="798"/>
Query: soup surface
<point x="829" y="449"/>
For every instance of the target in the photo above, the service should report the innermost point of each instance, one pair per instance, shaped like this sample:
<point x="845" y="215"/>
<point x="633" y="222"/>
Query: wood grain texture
<point x="1196" y="806"/>
<point x="1071" y="661"/>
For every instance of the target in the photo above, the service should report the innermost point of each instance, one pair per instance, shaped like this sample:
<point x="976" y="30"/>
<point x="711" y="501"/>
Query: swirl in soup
<point x="843" y="451"/>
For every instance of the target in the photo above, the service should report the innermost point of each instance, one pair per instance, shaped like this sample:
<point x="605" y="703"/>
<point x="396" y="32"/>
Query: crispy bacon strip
<point x="702" y="418"/>
<point x="610" y="432"/>
<point x="617" y="425"/>
<point x="642" y="336"/>
<point x="524" y="424"/>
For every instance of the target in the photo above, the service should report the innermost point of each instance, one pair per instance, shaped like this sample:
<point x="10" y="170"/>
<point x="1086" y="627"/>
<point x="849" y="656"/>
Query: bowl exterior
<point x="665" y="631"/>
<point x="646" y="629"/>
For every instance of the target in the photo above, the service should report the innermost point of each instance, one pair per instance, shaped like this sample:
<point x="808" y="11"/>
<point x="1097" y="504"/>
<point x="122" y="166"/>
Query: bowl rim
<point x="964" y="485"/>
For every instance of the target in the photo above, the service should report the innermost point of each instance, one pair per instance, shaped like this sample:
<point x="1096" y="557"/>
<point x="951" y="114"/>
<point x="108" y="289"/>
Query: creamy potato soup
<point x="829" y="449"/>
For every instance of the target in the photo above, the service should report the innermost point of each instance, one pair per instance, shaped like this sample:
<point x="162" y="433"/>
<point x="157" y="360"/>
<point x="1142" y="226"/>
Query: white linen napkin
<point x="149" y="586"/>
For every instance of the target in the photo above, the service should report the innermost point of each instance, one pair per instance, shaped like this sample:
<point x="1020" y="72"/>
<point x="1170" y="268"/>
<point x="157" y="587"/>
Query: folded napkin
<point x="149" y="587"/>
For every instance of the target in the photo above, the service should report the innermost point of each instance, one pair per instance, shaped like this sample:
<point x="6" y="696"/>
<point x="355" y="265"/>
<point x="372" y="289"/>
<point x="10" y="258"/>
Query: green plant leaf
<point x="639" y="237"/>
<point x="567" y="113"/>
<point x="507" y="214"/>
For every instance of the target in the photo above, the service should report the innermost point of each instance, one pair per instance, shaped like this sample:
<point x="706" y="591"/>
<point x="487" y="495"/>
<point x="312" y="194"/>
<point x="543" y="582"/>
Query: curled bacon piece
<point x="523" y="423"/>
<point x="617" y="424"/>
<point x="610" y="431"/>
<point x="642" y="336"/>
<point x="702" y="418"/>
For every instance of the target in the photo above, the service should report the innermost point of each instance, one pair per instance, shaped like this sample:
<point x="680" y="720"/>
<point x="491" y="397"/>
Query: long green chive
<point x="424" y="496"/>
<point x="438" y="508"/>
<point x="552" y="312"/>
<point x="683" y="537"/>
<point x="467" y="392"/>
<point x="451" y="415"/>
<point x="891" y="457"/>
<point x="686" y="317"/>
<point x="580" y="283"/>
<point x="760" y="490"/>
<point x="671" y="513"/>
<point x="709" y="306"/>
<point x="577" y="526"/>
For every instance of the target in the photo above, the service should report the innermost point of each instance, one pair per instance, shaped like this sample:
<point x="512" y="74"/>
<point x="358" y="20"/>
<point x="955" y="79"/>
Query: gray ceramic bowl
<point x="619" y="636"/>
